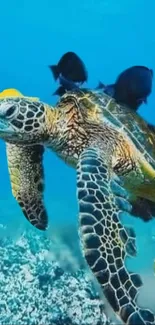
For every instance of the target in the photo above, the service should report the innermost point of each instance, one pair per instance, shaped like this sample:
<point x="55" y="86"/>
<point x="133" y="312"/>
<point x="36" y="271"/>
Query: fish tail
<point x="60" y="91"/>
<point x="55" y="71"/>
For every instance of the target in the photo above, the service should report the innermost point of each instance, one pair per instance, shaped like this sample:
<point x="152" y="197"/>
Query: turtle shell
<point x="119" y="116"/>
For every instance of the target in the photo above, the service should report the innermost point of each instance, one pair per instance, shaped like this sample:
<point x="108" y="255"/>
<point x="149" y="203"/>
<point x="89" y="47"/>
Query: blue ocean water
<point x="109" y="36"/>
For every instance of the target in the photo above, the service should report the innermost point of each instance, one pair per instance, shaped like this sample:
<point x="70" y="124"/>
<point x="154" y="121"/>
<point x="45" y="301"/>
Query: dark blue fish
<point x="133" y="86"/>
<point x="71" y="67"/>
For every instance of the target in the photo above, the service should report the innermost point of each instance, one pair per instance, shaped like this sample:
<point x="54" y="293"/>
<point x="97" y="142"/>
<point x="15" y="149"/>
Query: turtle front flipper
<point x="106" y="242"/>
<point x="25" y="165"/>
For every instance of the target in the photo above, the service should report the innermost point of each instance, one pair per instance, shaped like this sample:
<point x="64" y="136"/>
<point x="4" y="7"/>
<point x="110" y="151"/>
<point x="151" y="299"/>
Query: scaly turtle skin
<point x="113" y="151"/>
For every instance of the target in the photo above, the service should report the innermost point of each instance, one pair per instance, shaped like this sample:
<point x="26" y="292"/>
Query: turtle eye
<point x="10" y="111"/>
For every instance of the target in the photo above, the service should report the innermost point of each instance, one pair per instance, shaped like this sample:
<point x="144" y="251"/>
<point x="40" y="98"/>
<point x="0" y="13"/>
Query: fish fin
<point x="60" y="91"/>
<point x="151" y="72"/>
<point x="110" y="90"/>
<point x="100" y="85"/>
<point x="11" y="92"/>
<point x="145" y="101"/>
<point x="142" y="100"/>
<point x="55" y="71"/>
<point x="67" y="84"/>
<point x="110" y="86"/>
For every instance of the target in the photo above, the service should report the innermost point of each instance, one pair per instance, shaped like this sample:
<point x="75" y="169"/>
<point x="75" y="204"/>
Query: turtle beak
<point x="5" y="125"/>
<point x="5" y="128"/>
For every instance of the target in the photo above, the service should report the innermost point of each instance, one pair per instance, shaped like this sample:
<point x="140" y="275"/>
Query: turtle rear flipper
<point x="25" y="165"/>
<point x="107" y="243"/>
<point x="143" y="208"/>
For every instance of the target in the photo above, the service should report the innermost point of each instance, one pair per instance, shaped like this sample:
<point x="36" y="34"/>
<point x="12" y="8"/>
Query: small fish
<point x="71" y="67"/>
<point x="133" y="86"/>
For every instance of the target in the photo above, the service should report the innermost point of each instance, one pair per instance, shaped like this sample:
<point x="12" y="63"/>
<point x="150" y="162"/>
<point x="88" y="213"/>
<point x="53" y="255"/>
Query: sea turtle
<point x="114" y="154"/>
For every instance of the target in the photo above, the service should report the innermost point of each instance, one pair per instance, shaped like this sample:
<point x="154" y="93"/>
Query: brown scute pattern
<point x="27" y="181"/>
<point x="107" y="243"/>
<point x="134" y="126"/>
<point x="121" y="117"/>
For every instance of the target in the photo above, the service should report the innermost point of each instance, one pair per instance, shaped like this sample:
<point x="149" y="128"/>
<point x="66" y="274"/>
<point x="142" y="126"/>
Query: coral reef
<point x="36" y="289"/>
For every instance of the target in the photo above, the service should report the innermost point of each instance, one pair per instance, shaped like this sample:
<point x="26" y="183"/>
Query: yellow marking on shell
<point x="97" y="112"/>
<point x="94" y="112"/>
<point x="11" y="92"/>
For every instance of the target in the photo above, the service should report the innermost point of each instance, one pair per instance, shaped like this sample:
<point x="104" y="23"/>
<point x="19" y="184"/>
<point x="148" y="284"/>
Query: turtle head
<point x="22" y="120"/>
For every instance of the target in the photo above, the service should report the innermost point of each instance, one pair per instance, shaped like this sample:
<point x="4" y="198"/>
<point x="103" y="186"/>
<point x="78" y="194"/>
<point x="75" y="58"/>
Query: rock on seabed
<point x="35" y="289"/>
